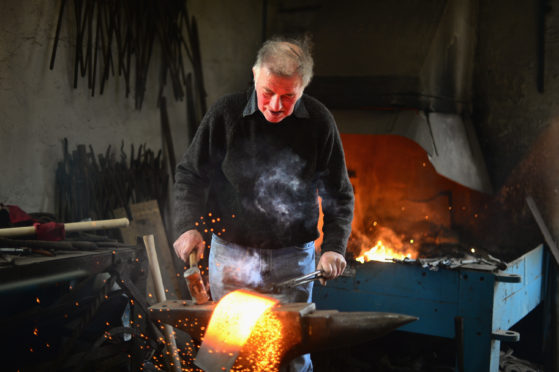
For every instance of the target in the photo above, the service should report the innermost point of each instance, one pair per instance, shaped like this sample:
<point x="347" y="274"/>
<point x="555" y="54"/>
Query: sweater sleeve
<point x="336" y="192"/>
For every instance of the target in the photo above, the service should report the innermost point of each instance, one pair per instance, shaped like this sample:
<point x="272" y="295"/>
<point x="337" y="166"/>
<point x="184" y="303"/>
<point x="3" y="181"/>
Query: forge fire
<point x="403" y="207"/>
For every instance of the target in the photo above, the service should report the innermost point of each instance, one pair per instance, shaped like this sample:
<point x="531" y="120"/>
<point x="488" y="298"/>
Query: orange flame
<point x="234" y="318"/>
<point x="380" y="252"/>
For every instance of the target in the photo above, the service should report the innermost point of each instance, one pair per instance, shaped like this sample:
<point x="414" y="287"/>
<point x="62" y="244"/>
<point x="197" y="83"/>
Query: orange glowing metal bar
<point x="234" y="318"/>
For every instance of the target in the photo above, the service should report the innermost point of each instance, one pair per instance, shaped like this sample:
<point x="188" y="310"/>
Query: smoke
<point x="279" y="189"/>
<point x="240" y="268"/>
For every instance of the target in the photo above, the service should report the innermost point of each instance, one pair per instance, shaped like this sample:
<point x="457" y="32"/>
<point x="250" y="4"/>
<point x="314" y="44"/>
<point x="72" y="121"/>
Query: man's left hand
<point x="332" y="264"/>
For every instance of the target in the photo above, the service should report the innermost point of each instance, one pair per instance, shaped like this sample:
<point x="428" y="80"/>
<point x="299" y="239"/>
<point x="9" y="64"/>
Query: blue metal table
<point x="488" y="302"/>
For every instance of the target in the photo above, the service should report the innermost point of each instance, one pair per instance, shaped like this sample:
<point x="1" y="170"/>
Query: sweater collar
<point x="300" y="111"/>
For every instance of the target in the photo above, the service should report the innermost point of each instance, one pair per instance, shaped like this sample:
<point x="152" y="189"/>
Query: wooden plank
<point x="146" y="220"/>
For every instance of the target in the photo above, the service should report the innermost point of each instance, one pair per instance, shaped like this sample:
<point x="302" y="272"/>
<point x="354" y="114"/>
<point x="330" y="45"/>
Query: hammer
<point x="194" y="281"/>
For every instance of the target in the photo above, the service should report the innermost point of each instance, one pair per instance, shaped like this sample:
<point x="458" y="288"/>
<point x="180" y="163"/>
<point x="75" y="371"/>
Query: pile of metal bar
<point x="118" y="38"/>
<point x="93" y="186"/>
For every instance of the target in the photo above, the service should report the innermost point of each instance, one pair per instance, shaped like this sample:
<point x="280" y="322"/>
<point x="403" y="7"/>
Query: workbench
<point x="52" y="307"/>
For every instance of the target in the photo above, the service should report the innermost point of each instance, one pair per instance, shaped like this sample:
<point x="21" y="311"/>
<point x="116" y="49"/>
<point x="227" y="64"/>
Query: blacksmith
<point x="253" y="173"/>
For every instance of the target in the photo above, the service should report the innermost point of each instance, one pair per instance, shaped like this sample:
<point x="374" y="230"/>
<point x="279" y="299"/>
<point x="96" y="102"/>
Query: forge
<point x="430" y="239"/>
<point x="303" y="329"/>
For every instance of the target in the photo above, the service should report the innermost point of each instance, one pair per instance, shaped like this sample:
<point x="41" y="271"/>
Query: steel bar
<point x="168" y="138"/>
<point x="57" y="34"/>
<point x="197" y="64"/>
<point x="191" y="122"/>
<point x="78" y="54"/>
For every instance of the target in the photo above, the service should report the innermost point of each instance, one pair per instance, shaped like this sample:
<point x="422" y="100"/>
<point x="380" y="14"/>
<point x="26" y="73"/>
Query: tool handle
<point x="96" y="225"/>
<point x="149" y="242"/>
<point x="193" y="259"/>
<point x="154" y="268"/>
<point x="68" y="227"/>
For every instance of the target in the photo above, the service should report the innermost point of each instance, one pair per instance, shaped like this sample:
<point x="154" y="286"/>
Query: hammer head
<point x="195" y="285"/>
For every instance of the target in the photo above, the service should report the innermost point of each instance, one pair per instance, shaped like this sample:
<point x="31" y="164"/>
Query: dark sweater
<point x="256" y="183"/>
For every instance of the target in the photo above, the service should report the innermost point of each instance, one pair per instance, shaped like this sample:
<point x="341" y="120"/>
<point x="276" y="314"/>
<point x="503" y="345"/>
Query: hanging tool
<point x="194" y="281"/>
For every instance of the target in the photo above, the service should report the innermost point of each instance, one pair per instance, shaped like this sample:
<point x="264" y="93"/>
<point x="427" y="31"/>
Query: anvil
<point x="310" y="330"/>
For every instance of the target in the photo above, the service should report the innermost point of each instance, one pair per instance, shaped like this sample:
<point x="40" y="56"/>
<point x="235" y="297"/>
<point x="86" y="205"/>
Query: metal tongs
<point x="300" y="280"/>
<point x="290" y="283"/>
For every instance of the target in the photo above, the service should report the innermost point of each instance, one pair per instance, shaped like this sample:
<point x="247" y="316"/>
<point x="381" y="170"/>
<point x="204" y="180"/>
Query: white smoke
<point x="278" y="189"/>
<point x="240" y="268"/>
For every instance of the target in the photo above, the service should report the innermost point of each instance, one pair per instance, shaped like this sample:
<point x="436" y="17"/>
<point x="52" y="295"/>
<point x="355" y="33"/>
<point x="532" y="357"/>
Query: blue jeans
<point x="232" y="266"/>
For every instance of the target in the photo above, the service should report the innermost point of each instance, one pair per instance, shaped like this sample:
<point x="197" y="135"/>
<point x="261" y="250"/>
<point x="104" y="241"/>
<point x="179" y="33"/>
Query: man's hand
<point x="332" y="263"/>
<point x="187" y="242"/>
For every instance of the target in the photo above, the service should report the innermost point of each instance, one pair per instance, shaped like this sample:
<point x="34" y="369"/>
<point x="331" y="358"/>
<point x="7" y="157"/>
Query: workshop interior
<point x="448" y="112"/>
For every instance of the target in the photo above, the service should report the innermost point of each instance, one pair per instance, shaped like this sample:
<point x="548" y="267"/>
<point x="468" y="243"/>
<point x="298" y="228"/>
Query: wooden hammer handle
<point x="193" y="259"/>
<point x="68" y="227"/>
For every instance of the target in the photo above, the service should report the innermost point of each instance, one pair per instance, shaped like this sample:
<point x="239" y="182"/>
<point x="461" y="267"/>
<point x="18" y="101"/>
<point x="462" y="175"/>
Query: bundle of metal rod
<point x="93" y="186"/>
<point x="118" y="37"/>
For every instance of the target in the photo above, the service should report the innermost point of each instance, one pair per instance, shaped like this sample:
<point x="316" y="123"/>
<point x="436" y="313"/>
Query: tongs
<point x="290" y="283"/>
<point x="300" y="280"/>
<point x="278" y="287"/>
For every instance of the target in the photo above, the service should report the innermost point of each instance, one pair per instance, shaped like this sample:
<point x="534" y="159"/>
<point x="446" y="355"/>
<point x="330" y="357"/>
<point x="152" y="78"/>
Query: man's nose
<point x="275" y="103"/>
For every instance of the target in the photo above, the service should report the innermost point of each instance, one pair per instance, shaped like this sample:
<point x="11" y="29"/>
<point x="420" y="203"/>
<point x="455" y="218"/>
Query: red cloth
<point x="50" y="231"/>
<point x="17" y="215"/>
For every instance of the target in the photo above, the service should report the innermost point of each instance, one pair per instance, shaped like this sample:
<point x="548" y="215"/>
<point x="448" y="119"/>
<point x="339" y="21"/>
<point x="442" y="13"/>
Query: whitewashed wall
<point x="39" y="107"/>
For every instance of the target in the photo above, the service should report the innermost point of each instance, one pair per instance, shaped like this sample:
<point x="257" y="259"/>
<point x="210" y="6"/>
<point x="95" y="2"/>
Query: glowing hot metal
<point x="229" y="328"/>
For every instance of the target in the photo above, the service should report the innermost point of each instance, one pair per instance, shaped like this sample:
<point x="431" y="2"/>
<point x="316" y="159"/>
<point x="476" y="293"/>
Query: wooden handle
<point x="97" y="225"/>
<point x="68" y="227"/>
<point x="193" y="259"/>
<point x="155" y="271"/>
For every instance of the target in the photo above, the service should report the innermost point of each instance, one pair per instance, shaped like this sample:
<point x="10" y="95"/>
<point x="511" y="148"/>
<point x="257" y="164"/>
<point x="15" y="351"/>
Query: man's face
<point x="276" y="94"/>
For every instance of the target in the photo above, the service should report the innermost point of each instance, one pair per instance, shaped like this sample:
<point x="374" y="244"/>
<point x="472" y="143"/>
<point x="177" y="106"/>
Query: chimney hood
<point x="408" y="73"/>
<point x="448" y="139"/>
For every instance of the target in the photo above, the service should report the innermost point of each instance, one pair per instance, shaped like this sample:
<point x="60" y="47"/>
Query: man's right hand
<point x="187" y="242"/>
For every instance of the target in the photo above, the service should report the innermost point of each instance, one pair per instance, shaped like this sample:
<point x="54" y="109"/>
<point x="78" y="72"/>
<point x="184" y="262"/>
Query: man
<point x="252" y="176"/>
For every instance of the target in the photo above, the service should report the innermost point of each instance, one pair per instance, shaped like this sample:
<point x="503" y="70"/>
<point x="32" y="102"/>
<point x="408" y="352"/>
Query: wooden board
<point x="146" y="220"/>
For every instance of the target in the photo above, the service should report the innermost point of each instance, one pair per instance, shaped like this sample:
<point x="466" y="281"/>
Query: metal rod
<point x="57" y="34"/>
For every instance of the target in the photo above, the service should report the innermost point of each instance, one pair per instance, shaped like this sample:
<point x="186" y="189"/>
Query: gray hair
<point x="286" y="57"/>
